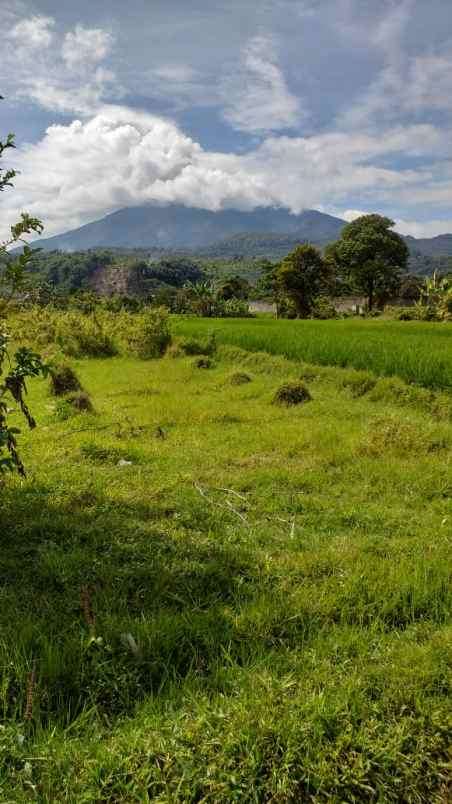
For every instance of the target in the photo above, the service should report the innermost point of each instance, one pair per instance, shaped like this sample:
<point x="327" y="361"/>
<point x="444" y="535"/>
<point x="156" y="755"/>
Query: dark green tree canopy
<point x="175" y="271"/>
<point x="303" y="276"/>
<point x="233" y="287"/>
<point x="370" y="256"/>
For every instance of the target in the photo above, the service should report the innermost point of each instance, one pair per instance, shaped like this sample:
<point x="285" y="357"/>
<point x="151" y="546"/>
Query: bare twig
<point x="227" y="507"/>
<point x="231" y="491"/>
<point x="30" y="692"/>
<point x="90" y="618"/>
<point x="231" y="507"/>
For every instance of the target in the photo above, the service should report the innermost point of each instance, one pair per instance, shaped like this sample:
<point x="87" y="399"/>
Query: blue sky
<point x="338" y="105"/>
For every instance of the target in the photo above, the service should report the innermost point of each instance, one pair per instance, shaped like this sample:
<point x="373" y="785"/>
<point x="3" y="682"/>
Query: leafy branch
<point x="16" y="370"/>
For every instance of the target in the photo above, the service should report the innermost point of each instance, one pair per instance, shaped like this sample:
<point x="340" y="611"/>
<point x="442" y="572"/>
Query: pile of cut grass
<point x="254" y="607"/>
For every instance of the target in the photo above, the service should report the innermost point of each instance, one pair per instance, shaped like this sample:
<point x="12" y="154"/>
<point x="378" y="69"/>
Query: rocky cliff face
<point x="116" y="281"/>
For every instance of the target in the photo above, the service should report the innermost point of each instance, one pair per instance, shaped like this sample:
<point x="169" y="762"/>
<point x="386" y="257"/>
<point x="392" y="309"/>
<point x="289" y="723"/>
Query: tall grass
<point x="415" y="351"/>
<point x="207" y="597"/>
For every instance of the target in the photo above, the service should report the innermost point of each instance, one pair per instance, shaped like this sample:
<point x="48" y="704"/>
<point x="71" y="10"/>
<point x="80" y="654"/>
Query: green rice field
<point x="417" y="352"/>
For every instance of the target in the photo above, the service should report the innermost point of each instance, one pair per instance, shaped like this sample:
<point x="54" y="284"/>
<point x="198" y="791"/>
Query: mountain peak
<point x="178" y="227"/>
<point x="264" y="231"/>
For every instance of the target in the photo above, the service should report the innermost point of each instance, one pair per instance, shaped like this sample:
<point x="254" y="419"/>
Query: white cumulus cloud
<point x="36" y="32"/>
<point x="85" y="46"/>
<point x="61" y="73"/>
<point x="256" y="96"/>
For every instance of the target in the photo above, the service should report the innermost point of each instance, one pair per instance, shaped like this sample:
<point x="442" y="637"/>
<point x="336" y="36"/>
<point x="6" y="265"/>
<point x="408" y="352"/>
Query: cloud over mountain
<point x="122" y="157"/>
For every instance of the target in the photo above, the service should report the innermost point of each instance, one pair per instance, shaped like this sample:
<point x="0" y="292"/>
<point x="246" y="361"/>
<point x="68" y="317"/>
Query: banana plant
<point x="203" y="294"/>
<point x="436" y="296"/>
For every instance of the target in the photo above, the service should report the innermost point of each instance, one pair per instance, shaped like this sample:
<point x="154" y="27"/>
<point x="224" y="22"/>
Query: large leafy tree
<point x="302" y="276"/>
<point x="233" y="287"/>
<point x="14" y="370"/>
<point x="370" y="256"/>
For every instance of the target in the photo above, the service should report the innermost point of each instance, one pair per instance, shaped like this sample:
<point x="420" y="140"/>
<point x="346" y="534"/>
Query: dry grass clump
<point x="240" y="378"/>
<point x="292" y="393"/>
<point x="202" y="362"/>
<point x="63" y="380"/>
<point x="72" y="404"/>
<point x="80" y="401"/>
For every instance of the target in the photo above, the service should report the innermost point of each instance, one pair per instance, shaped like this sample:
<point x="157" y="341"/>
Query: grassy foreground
<point x="417" y="352"/>
<point x="206" y="597"/>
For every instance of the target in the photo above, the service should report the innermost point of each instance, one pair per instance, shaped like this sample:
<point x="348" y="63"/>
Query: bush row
<point x="96" y="334"/>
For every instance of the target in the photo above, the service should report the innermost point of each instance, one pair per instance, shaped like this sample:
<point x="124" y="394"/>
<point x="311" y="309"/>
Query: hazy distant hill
<point x="226" y="234"/>
<point x="439" y="246"/>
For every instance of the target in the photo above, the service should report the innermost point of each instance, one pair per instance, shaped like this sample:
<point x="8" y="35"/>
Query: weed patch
<point x="108" y="455"/>
<point x="358" y="382"/>
<point x="391" y="433"/>
<point x="240" y="378"/>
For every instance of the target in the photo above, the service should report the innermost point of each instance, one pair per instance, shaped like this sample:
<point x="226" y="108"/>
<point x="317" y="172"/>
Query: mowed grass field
<point x="209" y="598"/>
<point x="417" y="352"/>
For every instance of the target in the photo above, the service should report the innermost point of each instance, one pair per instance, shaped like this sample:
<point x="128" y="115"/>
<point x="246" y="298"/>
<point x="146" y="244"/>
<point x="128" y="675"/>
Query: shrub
<point x="81" y="335"/>
<point x="202" y="362"/>
<point x="175" y="351"/>
<point x="406" y="314"/>
<point x="234" y="308"/>
<point x="63" y="379"/>
<point x="324" y="309"/>
<point x="427" y="312"/>
<point x="292" y="393"/>
<point x="240" y="378"/>
<point x="203" y="346"/>
<point x="36" y="326"/>
<point x="146" y="335"/>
